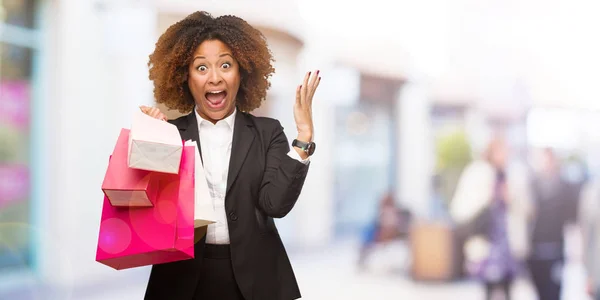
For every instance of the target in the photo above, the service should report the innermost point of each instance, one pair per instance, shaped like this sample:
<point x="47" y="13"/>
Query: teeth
<point x="216" y="92"/>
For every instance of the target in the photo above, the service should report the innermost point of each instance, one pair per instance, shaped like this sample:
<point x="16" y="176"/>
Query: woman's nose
<point x="214" y="77"/>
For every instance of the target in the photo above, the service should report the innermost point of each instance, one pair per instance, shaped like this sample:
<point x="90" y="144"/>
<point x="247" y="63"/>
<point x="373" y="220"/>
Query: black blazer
<point x="263" y="183"/>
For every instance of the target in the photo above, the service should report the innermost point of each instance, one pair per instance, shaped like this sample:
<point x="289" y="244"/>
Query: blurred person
<point x="554" y="206"/>
<point x="589" y="220"/>
<point x="390" y="224"/>
<point x="490" y="206"/>
<point x="217" y="70"/>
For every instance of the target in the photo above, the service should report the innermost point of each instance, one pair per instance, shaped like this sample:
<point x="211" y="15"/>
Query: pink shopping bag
<point x="124" y="186"/>
<point x="131" y="237"/>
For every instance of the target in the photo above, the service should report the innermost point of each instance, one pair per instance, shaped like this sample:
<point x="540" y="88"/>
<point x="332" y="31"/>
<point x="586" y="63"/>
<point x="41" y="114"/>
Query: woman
<point x="491" y="209"/>
<point x="218" y="69"/>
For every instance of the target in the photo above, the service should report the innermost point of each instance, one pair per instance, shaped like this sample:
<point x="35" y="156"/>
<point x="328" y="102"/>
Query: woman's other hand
<point x="303" y="106"/>
<point x="153" y="112"/>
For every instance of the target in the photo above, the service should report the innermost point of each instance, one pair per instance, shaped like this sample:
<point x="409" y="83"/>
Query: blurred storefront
<point x="365" y="140"/>
<point x="19" y="54"/>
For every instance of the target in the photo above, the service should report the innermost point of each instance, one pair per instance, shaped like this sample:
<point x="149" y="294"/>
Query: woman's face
<point x="499" y="153"/>
<point x="214" y="80"/>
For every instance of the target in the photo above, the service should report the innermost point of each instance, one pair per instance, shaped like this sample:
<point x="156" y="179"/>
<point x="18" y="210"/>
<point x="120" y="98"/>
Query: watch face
<point x="310" y="149"/>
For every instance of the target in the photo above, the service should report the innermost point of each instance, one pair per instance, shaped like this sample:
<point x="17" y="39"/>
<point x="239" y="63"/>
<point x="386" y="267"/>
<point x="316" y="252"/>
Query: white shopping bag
<point x="204" y="210"/>
<point x="154" y="145"/>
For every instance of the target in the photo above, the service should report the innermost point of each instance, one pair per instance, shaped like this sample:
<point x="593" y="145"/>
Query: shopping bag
<point x="154" y="145"/>
<point x="133" y="237"/>
<point x="124" y="186"/>
<point x="204" y="211"/>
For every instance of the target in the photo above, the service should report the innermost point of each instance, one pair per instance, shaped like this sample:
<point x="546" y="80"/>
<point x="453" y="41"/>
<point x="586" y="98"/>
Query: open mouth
<point x="216" y="99"/>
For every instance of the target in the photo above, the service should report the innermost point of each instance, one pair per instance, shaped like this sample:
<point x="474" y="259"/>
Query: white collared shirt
<point x="215" y="142"/>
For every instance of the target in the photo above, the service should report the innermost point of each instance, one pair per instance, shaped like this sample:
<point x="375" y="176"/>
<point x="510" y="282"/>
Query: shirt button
<point x="233" y="216"/>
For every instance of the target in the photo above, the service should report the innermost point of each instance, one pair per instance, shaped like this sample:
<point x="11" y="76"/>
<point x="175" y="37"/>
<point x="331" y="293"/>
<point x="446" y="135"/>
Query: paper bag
<point x="154" y="145"/>
<point x="133" y="237"/>
<point x="204" y="210"/>
<point x="125" y="186"/>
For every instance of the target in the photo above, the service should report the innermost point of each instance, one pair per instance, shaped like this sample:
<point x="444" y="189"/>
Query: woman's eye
<point x="202" y="68"/>
<point x="226" y="65"/>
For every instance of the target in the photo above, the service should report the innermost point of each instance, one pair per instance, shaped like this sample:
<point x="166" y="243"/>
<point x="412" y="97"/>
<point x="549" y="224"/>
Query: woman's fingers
<point x="299" y="96"/>
<point x="314" y="84"/>
<point x="153" y="112"/>
<point x="144" y="109"/>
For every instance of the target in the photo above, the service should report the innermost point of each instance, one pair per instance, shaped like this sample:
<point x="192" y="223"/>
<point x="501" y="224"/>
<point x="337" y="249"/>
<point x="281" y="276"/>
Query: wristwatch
<point x="309" y="148"/>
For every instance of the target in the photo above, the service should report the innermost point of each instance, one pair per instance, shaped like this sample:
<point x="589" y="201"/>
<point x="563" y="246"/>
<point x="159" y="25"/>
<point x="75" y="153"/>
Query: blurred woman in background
<point x="490" y="208"/>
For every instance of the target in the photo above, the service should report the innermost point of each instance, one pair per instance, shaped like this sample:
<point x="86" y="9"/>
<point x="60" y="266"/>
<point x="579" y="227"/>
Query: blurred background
<point x="412" y="94"/>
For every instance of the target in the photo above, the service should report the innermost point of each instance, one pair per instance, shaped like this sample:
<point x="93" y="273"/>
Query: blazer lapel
<point x="189" y="131"/>
<point x="243" y="136"/>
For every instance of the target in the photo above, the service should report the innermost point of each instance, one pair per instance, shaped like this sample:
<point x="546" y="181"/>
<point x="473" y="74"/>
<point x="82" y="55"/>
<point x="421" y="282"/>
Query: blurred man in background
<point x="589" y="220"/>
<point x="555" y="206"/>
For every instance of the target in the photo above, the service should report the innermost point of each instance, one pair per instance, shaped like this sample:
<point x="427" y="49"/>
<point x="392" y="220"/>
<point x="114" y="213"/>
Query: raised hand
<point x="303" y="106"/>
